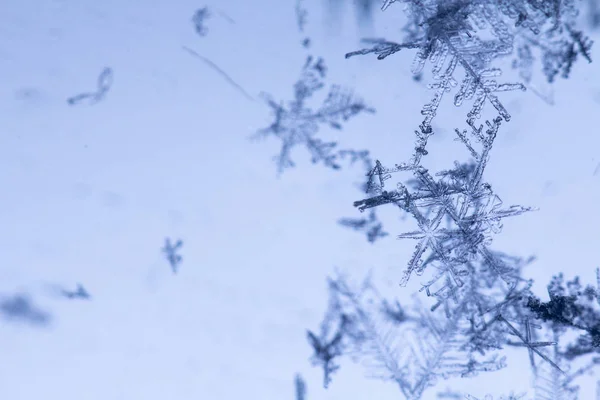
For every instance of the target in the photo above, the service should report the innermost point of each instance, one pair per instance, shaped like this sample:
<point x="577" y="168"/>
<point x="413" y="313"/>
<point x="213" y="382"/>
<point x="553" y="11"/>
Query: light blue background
<point x="89" y="194"/>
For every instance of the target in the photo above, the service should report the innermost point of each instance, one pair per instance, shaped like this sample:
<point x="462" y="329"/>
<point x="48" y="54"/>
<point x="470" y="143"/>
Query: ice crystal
<point x="103" y="85"/>
<point x="199" y="20"/>
<point x="171" y="253"/>
<point x="296" y="124"/>
<point x="414" y="349"/>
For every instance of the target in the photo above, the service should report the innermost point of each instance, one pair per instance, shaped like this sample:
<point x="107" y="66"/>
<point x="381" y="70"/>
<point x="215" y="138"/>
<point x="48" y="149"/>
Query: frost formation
<point x="484" y="303"/>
